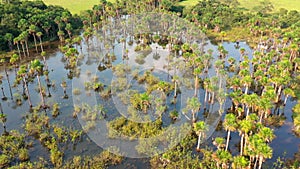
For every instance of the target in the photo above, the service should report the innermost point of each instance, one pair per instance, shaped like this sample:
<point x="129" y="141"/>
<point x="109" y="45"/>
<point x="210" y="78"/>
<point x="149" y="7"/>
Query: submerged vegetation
<point x="252" y="90"/>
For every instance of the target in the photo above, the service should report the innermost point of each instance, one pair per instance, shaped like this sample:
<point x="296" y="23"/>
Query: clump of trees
<point x="28" y="23"/>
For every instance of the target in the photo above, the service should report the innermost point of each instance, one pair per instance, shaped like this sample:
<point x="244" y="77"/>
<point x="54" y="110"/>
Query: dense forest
<point x="26" y="21"/>
<point x="258" y="89"/>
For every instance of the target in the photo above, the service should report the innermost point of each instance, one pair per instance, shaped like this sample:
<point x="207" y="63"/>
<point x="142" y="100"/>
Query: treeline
<point x="22" y="21"/>
<point x="225" y="14"/>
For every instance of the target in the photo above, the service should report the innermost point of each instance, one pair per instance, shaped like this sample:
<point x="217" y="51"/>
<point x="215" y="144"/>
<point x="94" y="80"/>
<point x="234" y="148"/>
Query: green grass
<point x="287" y="4"/>
<point x="75" y="6"/>
<point x="249" y="4"/>
<point x="189" y="2"/>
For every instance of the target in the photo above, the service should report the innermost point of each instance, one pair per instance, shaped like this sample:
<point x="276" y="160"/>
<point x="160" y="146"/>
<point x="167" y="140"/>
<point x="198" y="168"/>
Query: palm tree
<point x="244" y="127"/>
<point x="175" y="79"/>
<point x="206" y="85"/>
<point x="219" y="142"/>
<point x="247" y="101"/>
<point x="69" y="29"/>
<point x="20" y="40"/>
<point x="288" y="92"/>
<point x="16" y="42"/>
<point x="13" y="60"/>
<point x="265" y="152"/>
<point x="9" y="38"/>
<point x="39" y="35"/>
<point x="61" y="35"/>
<point x="200" y="128"/>
<point x="240" y="162"/>
<point x="193" y="105"/>
<point x="23" y="73"/>
<point x="266" y="134"/>
<point x="264" y="105"/>
<point x="197" y="71"/>
<point x="223" y="157"/>
<point x="246" y="81"/>
<point x="36" y="68"/>
<point x="230" y="125"/>
<point x="24" y="38"/>
<point x="32" y="30"/>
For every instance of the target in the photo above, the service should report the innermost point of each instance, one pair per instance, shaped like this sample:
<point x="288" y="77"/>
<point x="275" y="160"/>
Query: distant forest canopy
<point x="21" y="21"/>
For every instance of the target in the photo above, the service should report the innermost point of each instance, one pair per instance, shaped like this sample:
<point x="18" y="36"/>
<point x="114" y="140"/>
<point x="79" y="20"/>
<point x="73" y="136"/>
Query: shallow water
<point x="285" y="144"/>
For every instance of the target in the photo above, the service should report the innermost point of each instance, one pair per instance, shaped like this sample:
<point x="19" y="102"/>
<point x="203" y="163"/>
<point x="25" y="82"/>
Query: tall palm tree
<point x="246" y="81"/>
<point x="175" y="80"/>
<point x="36" y="68"/>
<point x="244" y="127"/>
<point x="193" y="105"/>
<point x="265" y="152"/>
<point x="9" y="38"/>
<point x="230" y="125"/>
<point x="266" y="134"/>
<point x="39" y="35"/>
<point x="23" y="74"/>
<point x="223" y="157"/>
<point x="32" y="30"/>
<point x="200" y="128"/>
<point x="197" y="71"/>
<point x="264" y="106"/>
<point x="24" y="38"/>
<point x="20" y="40"/>
<point x="288" y="92"/>
<point x="16" y="42"/>
<point x="69" y="29"/>
<point x="14" y="61"/>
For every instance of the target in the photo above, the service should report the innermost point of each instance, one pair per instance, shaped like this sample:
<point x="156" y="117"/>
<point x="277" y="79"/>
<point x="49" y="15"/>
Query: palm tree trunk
<point x="260" y="162"/>
<point x="8" y="81"/>
<point x="199" y="141"/>
<point x="41" y="44"/>
<point x="193" y="117"/>
<point x="23" y="48"/>
<point x="212" y="98"/>
<point x="279" y="93"/>
<point x="27" y="92"/>
<point x="41" y="92"/>
<point x="261" y="116"/>
<point x="285" y="100"/>
<point x="246" y="90"/>
<point x="242" y="144"/>
<point x="196" y="86"/>
<point x="205" y="98"/>
<point x="34" y="39"/>
<point x="248" y="110"/>
<point x="19" y="52"/>
<point x="227" y="141"/>
<point x="26" y="44"/>
<point x="175" y="90"/>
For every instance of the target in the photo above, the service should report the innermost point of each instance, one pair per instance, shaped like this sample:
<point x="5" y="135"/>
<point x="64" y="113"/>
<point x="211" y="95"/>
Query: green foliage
<point x="131" y="129"/>
<point x="17" y="16"/>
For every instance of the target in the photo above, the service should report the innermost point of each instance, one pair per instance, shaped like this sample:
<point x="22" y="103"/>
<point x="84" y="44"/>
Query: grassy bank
<point x="79" y="5"/>
<point x="74" y="6"/>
